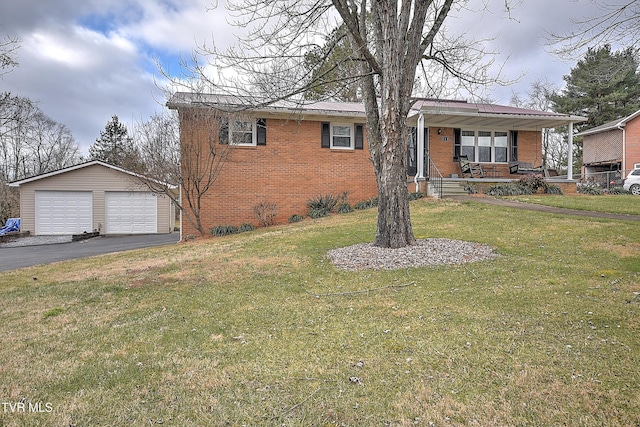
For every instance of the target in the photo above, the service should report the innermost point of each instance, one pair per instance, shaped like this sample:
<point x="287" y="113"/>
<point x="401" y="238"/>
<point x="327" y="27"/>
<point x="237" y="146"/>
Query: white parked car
<point x="632" y="182"/>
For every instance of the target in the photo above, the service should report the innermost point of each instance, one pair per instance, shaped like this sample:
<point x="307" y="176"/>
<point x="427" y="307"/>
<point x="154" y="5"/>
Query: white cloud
<point x="85" y="60"/>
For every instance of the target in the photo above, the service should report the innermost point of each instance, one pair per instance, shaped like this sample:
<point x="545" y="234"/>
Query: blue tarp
<point x="13" y="224"/>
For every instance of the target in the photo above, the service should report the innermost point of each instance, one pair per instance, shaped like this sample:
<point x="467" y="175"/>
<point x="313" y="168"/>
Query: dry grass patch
<point x="261" y="329"/>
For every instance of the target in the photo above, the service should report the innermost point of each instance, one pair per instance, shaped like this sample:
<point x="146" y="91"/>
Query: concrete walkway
<point x="547" y="209"/>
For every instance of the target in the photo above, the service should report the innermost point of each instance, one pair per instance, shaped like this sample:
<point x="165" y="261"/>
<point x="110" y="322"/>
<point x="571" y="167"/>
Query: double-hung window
<point x="484" y="146"/>
<point x="468" y="145"/>
<point x="500" y="146"/>
<point x="342" y="136"/>
<point x="243" y="132"/>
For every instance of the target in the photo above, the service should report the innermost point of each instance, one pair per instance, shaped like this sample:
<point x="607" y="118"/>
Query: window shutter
<point x="514" y="145"/>
<point x="412" y="152"/>
<point x="457" y="141"/>
<point x="223" y="130"/>
<point x="359" y="143"/>
<point x="261" y="132"/>
<point x="326" y="135"/>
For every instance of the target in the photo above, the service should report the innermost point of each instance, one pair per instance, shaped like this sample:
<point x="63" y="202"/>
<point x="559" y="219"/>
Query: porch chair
<point x="473" y="170"/>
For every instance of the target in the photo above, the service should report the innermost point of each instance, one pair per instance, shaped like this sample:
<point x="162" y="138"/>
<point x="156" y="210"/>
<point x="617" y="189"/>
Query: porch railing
<point x="435" y="178"/>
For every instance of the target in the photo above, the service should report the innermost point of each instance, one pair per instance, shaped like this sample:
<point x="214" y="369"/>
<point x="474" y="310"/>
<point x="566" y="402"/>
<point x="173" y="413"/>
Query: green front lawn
<point x="620" y="204"/>
<point x="240" y="330"/>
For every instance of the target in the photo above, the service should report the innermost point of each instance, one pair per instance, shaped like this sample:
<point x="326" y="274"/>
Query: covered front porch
<point x="457" y="144"/>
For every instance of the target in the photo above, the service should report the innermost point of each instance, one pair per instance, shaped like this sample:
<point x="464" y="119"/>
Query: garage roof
<point x="613" y="125"/>
<point x="84" y="165"/>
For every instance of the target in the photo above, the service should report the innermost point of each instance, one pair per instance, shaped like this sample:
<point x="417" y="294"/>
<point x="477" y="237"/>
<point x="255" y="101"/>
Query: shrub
<point x="553" y="189"/>
<point x="528" y="184"/>
<point x="471" y="188"/>
<point x="224" y="230"/>
<point x="508" y="189"/>
<point x="366" y="204"/>
<point x="344" y="207"/>
<point x="415" y="195"/>
<point x="265" y="212"/>
<point x="321" y="206"/>
<point x="534" y="183"/>
<point x="246" y="227"/>
<point x="617" y="190"/>
<point x="590" y="188"/>
<point x="295" y="218"/>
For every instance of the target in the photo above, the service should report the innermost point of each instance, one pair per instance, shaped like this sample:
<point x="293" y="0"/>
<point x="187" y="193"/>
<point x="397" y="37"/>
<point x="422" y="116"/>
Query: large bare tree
<point x="391" y="41"/>
<point x="8" y="52"/>
<point x="31" y="143"/>
<point x="613" y="22"/>
<point x="540" y="97"/>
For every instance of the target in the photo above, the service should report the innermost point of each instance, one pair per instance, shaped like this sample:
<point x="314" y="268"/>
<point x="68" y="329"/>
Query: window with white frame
<point x="468" y="145"/>
<point x="484" y="146"/>
<point x="341" y="135"/>
<point x="243" y="132"/>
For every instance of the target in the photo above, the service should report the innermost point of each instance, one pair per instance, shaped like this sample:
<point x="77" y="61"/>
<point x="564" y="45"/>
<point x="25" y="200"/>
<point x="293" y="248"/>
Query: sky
<point x="84" y="61"/>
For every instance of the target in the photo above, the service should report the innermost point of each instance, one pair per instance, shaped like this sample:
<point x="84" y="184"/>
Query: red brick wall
<point x="291" y="169"/>
<point x="441" y="152"/>
<point x="530" y="147"/>
<point x="633" y="143"/>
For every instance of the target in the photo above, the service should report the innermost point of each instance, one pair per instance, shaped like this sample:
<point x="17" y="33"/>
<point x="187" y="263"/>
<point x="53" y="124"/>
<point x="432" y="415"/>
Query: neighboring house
<point x="286" y="154"/>
<point x="93" y="196"/>
<point x="614" y="146"/>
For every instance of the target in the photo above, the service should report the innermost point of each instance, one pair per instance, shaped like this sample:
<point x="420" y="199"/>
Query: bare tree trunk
<point x="386" y="127"/>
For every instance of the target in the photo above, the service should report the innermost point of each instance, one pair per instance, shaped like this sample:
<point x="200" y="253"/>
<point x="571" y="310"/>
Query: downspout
<point x="570" y="153"/>
<point x="180" y="200"/>
<point x="420" y="141"/>
<point x="624" y="149"/>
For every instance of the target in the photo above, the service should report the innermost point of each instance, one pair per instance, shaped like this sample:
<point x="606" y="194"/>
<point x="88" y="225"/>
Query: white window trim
<point x="352" y="135"/>
<point x="254" y="133"/>
<point x="493" y="146"/>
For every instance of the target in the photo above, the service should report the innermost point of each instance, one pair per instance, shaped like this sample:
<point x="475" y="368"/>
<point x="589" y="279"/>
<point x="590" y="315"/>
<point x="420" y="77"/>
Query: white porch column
<point x="570" y="153"/>
<point x="420" y="131"/>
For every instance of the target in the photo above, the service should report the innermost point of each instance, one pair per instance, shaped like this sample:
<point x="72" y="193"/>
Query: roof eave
<point x="84" y="165"/>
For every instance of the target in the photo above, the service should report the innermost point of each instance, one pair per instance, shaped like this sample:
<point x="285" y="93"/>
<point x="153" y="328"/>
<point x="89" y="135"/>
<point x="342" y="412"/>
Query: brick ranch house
<point x="613" y="146"/>
<point x="286" y="154"/>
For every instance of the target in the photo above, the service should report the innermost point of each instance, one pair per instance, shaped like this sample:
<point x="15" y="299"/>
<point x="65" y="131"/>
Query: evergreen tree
<point x="333" y="69"/>
<point x="116" y="147"/>
<point x="603" y="86"/>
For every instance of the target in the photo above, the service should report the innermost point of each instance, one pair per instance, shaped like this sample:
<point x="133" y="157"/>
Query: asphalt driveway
<point x="27" y="256"/>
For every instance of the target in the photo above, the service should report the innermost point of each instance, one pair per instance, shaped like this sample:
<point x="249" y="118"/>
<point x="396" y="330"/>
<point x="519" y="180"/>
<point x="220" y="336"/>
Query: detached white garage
<point x="93" y="196"/>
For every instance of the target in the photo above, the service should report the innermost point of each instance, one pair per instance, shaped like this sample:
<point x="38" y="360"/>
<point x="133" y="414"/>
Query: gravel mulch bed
<point x="35" y="241"/>
<point x="426" y="252"/>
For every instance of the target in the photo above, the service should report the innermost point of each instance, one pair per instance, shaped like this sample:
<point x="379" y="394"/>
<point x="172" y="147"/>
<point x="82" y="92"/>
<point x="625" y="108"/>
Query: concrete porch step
<point x="453" y="188"/>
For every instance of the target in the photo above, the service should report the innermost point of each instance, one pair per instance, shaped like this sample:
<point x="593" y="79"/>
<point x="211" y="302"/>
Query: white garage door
<point x="63" y="212"/>
<point x="131" y="212"/>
